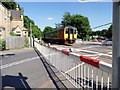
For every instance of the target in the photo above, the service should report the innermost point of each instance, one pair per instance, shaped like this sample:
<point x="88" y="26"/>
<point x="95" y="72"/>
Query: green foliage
<point x="26" y="22"/>
<point x="78" y="21"/>
<point x="9" y="4"/>
<point x="26" y="42"/>
<point x="107" y="33"/>
<point x="47" y="29"/>
<point x="36" y="31"/>
<point x="57" y="25"/>
<point x="12" y="33"/>
<point x="94" y="38"/>
<point x="2" y="44"/>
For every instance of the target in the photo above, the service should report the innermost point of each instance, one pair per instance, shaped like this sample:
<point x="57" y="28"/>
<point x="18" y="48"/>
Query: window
<point x="66" y="31"/>
<point x="18" y="32"/>
<point x="74" y="31"/>
<point x="70" y="31"/>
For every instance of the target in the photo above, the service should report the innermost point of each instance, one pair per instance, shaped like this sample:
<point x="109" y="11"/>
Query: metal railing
<point x="81" y="71"/>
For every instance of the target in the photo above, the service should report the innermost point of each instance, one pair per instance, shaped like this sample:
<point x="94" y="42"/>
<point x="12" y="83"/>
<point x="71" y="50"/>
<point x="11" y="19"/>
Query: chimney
<point x="17" y="8"/>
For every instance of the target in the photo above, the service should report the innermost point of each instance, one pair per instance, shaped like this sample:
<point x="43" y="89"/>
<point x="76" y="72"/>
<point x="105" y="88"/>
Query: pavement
<point x="27" y="68"/>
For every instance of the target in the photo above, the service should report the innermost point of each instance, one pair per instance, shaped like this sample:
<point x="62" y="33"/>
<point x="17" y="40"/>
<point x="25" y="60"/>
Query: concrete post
<point x="30" y="35"/>
<point x="116" y="46"/>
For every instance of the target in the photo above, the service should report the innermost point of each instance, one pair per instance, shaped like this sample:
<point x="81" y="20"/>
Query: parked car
<point x="107" y="43"/>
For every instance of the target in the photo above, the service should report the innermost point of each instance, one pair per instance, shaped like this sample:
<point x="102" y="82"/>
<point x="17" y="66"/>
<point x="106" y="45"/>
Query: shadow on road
<point x="3" y="55"/>
<point x="49" y="68"/>
<point x="18" y="82"/>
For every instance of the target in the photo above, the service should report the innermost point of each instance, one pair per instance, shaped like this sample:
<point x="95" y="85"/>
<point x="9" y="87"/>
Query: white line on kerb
<point x="18" y="62"/>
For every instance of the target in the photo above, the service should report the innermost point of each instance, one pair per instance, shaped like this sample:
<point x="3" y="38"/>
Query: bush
<point x="12" y="33"/>
<point x="2" y="45"/>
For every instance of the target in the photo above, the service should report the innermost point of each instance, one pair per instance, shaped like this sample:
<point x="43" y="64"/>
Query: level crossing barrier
<point x="81" y="71"/>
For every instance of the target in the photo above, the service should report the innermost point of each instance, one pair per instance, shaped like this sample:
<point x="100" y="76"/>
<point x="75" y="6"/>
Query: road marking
<point x="97" y="53"/>
<point x="18" y="62"/>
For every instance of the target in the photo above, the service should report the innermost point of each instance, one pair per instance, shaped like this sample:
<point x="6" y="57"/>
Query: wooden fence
<point x="16" y="42"/>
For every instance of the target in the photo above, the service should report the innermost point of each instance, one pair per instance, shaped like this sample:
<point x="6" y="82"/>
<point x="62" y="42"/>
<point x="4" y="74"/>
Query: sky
<point x="48" y="13"/>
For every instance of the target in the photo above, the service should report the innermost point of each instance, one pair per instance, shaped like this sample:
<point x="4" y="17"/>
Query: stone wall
<point x="5" y="23"/>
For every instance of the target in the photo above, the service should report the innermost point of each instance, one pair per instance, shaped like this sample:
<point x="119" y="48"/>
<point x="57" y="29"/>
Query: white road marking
<point x="97" y="53"/>
<point x="18" y="62"/>
<point x="22" y="61"/>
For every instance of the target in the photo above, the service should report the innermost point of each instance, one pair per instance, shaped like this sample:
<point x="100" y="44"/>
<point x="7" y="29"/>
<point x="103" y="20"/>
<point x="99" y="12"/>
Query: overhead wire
<point x="102" y="25"/>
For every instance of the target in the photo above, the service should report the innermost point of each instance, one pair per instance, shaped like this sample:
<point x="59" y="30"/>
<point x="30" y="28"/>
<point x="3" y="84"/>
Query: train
<point x="62" y="35"/>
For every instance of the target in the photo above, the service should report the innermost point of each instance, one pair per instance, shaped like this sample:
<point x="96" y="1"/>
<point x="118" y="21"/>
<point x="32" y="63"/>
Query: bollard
<point x="71" y="49"/>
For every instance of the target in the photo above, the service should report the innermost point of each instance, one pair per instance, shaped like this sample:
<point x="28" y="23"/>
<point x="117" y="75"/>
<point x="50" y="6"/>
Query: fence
<point x="81" y="71"/>
<point x="16" y="42"/>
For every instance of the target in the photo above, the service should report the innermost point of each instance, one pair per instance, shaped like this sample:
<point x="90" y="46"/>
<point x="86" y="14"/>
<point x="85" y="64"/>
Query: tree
<point x="36" y="31"/>
<point x="109" y="32"/>
<point x="67" y="18"/>
<point x="104" y="32"/>
<point x="10" y="4"/>
<point x="57" y="25"/>
<point x="80" y="22"/>
<point x="47" y="29"/>
<point x="26" y="22"/>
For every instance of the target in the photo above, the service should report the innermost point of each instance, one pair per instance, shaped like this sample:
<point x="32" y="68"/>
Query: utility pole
<point x="30" y="35"/>
<point x="116" y="46"/>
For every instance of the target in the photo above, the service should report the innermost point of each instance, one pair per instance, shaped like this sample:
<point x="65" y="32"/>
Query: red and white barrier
<point x="78" y="68"/>
<point x="94" y="62"/>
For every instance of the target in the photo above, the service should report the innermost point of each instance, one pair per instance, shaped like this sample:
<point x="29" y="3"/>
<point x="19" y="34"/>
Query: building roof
<point x="15" y="28"/>
<point x="22" y="29"/>
<point x="15" y="14"/>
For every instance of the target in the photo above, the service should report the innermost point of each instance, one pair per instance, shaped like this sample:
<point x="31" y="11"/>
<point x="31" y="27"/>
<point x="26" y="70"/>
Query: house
<point x="12" y="21"/>
<point x="20" y="31"/>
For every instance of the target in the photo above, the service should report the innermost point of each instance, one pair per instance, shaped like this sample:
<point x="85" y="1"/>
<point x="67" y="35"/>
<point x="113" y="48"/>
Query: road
<point x="23" y="68"/>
